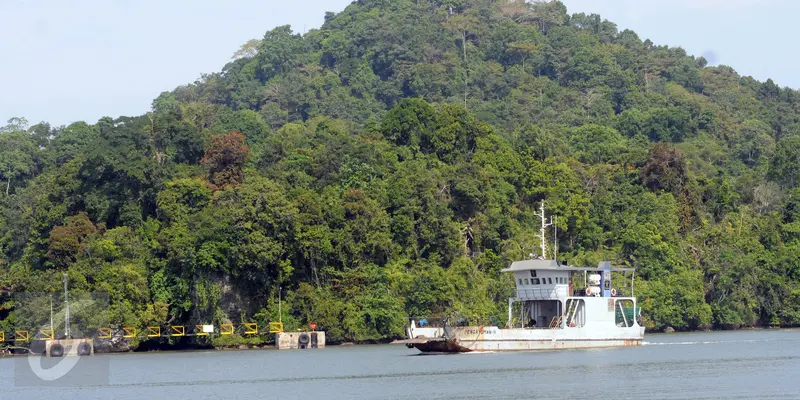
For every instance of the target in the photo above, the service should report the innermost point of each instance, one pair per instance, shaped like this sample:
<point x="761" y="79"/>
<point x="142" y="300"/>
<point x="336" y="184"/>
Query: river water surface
<point x="714" y="365"/>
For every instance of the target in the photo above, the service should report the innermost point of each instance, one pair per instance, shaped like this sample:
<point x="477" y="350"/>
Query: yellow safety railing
<point x="21" y="336"/>
<point x="275" y="327"/>
<point x="178" y="331"/>
<point x="129" y="332"/>
<point x="153" y="331"/>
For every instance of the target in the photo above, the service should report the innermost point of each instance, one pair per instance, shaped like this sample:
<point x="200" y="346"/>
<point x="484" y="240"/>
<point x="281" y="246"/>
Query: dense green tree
<point x="785" y="165"/>
<point x="598" y="144"/>
<point x="279" y="51"/>
<point x="409" y="123"/>
<point x="755" y="143"/>
<point x="389" y="164"/>
<point x="19" y="157"/>
<point x="225" y="159"/>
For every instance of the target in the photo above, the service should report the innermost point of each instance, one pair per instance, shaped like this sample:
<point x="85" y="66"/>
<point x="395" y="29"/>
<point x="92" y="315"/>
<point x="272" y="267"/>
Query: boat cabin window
<point x="533" y="274"/>
<point x="526" y="281"/>
<point x="535" y="281"/>
<point x="625" y="315"/>
<point x="520" y="281"/>
<point x="550" y="281"/>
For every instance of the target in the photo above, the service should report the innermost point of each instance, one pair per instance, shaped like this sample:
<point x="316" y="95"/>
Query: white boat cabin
<point x="546" y="291"/>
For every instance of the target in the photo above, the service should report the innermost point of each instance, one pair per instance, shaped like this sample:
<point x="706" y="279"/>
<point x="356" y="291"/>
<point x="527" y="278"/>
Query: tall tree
<point x="785" y="165"/>
<point x="225" y="159"/>
<point x="19" y="157"/>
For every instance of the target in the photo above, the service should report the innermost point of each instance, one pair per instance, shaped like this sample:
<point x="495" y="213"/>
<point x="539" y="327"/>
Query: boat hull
<point x="441" y="346"/>
<point x="452" y="346"/>
<point x="492" y="339"/>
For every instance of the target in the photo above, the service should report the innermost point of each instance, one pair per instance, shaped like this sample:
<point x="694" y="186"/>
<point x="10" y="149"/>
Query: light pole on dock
<point x="66" y="310"/>
<point x="280" y="316"/>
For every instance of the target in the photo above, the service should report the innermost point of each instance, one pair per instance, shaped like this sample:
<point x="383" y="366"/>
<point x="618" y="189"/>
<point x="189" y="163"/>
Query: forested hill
<point x="390" y="163"/>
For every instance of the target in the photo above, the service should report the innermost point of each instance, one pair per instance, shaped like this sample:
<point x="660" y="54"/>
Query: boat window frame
<point x="619" y="306"/>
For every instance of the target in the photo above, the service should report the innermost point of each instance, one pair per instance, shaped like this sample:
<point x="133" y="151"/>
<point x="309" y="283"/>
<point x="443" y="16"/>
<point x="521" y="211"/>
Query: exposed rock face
<point x="235" y="300"/>
<point x="117" y="344"/>
<point x="669" y="329"/>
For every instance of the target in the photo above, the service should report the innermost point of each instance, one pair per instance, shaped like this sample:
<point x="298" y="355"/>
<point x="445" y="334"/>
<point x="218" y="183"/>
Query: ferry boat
<point x="547" y="312"/>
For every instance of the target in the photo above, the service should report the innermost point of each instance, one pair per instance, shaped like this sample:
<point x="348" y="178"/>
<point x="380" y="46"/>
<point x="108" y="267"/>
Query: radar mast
<point x="543" y="234"/>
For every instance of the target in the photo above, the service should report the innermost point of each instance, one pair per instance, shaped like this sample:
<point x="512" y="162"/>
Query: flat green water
<point x="717" y="365"/>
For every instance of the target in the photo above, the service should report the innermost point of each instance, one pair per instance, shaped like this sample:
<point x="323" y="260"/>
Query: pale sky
<point x="72" y="60"/>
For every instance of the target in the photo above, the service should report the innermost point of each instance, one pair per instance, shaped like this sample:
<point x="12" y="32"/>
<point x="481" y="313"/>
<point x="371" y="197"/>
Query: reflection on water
<point x="752" y="364"/>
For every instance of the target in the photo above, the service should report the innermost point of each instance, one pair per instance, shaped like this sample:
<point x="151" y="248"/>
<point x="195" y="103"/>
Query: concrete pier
<point x="69" y="348"/>
<point x="300" y="340"/>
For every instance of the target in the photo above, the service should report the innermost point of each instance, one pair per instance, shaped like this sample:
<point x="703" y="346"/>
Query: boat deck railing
<point x="557" y="293"/>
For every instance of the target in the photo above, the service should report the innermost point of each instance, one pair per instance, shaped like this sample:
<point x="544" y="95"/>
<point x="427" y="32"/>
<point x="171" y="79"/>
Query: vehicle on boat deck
<point x="552" y="313"/>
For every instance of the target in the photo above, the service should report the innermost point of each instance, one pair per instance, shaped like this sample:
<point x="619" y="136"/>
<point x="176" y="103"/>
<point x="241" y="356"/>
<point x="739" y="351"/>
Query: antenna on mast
<point x="543" y="234"/>
<point x="555" y="237"/>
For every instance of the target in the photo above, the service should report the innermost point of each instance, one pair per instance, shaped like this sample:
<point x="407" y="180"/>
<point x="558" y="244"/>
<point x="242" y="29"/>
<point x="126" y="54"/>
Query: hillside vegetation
<point x="390" y="163"/>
